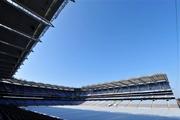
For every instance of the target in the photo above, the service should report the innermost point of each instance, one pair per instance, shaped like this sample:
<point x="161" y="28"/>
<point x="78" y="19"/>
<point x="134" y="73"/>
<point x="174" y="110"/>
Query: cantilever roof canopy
<point x="130" y="82"/>
<point x="22" y="23"/>
<point x="35" y="84"/>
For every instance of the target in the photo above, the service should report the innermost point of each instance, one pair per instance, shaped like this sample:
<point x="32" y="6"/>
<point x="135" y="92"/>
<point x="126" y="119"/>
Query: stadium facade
<point x="22" y="24"/>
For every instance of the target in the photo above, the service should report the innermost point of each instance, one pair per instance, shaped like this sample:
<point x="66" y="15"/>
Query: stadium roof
<point x="130" y="82"/>
<point x="114" y="84"/>
<point x="22" y="23"/>
<point x="36" y="84"/>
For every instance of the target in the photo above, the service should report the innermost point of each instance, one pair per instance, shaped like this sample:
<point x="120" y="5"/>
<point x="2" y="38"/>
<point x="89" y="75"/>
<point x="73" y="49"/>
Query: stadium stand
<point x="178" y="101"/>
<point x="15" y="113"/>
<point x="149" y="91"/>
<point x="18" y="92"/>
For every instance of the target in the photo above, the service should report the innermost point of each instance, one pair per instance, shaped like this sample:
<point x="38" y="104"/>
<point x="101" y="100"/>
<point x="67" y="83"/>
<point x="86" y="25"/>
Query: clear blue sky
<point x="97" y="41"/>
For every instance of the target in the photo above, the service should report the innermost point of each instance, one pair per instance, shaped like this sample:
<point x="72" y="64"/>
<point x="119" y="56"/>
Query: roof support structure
<point x="5" y="65"/>
<point x="152" y="78"/>
<point x="123" y="83"/>
<point x="11" y="45"/>
<point x="4" y="70"/>
<point x="55" y="15"/>
<point x="25" y="49"/>
<point x="132" y="82"/>
<point x="21" y="56"/>
<point x="4" y="73"/>
<point x="28" y="12"/>
<point x="142" y="81"/>
<point x="8" y="54"/>
<point x="116" y="85"/>
<point x="19" y="37"/>
<point x="6" y="61"/>
<point x="18" y="32"/>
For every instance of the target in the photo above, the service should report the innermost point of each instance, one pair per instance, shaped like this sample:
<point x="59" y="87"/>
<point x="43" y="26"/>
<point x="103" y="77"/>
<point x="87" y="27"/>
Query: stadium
<point x="22" y="25"/>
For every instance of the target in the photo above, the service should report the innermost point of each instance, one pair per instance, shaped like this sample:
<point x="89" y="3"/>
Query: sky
<point x="96" y="41"/>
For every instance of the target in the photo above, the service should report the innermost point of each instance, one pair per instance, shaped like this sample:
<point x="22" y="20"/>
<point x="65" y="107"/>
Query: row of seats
<point x="28" y="102"/>
<point x="101" y="103"/>
<point x="132" y="103"/>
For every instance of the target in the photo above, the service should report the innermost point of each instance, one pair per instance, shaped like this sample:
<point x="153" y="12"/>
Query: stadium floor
<point x="82" y="113"/>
